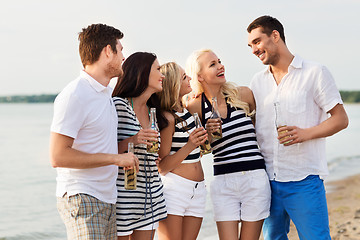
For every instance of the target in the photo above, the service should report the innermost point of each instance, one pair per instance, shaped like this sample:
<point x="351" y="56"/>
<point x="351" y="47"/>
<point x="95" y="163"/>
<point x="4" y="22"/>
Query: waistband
<point x="239" y="166"/>
<point x="183" y="180"/>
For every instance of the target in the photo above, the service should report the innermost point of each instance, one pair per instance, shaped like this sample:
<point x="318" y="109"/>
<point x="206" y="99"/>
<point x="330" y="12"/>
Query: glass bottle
<point x="216" y="115"/>
<point x="280" y="120"/>
<point x="154" y="148"/>
<point x="205" y="148"/>
<point x="130" y="174"/>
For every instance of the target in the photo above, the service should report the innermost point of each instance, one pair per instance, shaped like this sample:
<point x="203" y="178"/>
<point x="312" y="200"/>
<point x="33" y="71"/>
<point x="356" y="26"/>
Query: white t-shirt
<point x="85" y="111"/>
<point x="304" y="96"/>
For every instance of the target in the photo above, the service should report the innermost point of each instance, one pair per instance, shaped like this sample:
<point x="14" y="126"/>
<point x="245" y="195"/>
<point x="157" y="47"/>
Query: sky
<point x="39" y="45"/>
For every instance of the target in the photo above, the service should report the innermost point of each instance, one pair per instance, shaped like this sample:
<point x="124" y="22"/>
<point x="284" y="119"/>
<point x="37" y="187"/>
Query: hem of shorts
<point x="226" y="219"/>
<point x="256" y="219"/>
<point x="133" y="229"/>
<point x="185" y="215"/>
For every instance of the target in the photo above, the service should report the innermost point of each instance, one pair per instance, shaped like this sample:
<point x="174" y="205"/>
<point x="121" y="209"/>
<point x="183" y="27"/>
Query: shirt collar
<point x="297" y="62"/>
<point x="93" y="83"/>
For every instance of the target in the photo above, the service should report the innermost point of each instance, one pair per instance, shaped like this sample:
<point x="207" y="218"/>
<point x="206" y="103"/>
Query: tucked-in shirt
<point x="85" y="112"/>
<point x="303" y="98"/>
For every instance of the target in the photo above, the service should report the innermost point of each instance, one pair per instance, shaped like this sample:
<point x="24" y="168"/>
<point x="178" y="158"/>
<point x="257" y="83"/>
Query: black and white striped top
<point x="237" y="150"/>
<point x="184" y="125"/>
<point x="145" y="205"/>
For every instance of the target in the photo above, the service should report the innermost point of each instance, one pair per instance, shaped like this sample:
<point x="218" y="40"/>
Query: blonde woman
<point x="180" y="166"/>
<point x="240" y="191"/>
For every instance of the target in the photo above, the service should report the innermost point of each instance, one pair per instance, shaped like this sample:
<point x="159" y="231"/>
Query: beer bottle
<point x="130" y="174"/>
<point x="216" y="115"/>
<point x="205" y="148"/>
<point x="154" y="148"/>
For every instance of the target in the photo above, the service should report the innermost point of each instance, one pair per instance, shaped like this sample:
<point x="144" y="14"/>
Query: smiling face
<point x="264" y="46"/>
<point x="155" y="77"/>
<point x="212" y="71"/>
<point x="185" y="87"/>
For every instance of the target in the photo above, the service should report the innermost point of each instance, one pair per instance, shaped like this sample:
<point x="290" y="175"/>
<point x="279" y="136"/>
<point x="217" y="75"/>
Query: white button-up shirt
<point x="85" y="111"/>
<point x="303" y="98"/>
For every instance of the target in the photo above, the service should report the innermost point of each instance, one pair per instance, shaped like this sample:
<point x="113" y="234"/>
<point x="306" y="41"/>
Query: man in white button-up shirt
<point x="293" y="99"/>
<point x="83" y="145"/>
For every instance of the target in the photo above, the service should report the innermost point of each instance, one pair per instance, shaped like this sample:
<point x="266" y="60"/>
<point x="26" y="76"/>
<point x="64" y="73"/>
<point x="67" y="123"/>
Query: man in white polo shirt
<point x="83" y="145"/>
<point x="293" y="99"/>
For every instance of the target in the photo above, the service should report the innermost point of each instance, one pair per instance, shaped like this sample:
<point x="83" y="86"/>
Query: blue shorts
<point x="304" y="202"/>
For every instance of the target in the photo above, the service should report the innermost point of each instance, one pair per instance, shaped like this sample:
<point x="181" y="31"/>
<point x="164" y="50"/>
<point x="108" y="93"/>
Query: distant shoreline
<point x="347" y="97"/>
<point x="41" y="98"/>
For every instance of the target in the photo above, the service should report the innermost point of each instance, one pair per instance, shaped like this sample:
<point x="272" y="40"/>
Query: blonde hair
<point x="228" y="89"/>
<point x="169" y="96"/>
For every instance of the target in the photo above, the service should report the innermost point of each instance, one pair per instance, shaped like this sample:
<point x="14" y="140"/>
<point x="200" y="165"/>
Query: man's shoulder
<point x="313" y="66"/>
<point x="258" y="78"/>
<point x="76" y="86"/>
<point x="260" y="74"/>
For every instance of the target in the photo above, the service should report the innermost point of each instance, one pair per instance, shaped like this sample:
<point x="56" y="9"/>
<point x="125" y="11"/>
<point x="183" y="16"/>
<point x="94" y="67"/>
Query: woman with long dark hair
<point x="139" y="211"/>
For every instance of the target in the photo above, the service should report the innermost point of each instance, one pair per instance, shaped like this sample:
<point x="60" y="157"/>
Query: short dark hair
<point x="94" y="38"/>
<point x="268" y="25"/>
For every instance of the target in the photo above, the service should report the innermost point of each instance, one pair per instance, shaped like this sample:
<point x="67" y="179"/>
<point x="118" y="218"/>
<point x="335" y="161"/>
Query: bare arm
<point x="335" y="123"/>
<point x="170" y="162"/>
<point x="63" y="155"/>
<point x="194" y="106"/>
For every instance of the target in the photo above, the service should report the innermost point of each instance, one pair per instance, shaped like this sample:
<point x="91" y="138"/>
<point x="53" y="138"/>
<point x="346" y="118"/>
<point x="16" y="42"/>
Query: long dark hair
<point x="135" y="80"/>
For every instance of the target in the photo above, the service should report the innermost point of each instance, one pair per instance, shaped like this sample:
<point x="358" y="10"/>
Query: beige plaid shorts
<point x="87" y="217"/>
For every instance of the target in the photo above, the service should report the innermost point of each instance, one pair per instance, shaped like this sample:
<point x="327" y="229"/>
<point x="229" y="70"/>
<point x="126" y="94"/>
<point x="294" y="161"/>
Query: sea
<point x="27" y="180"/>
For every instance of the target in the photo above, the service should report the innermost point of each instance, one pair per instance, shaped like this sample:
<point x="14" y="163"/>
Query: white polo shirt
<point x="305" y="95"/>
<point x="84" y="111"/>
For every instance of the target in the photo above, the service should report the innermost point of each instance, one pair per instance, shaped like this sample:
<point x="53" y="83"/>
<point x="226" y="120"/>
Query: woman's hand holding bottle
<point x="145" y="136"/>
<point x="197" y="137"/>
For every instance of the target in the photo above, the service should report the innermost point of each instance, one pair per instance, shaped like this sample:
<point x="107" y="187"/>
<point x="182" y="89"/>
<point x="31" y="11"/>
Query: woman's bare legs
<point x="142" y="235"/>
<point x="228" y="230"/>
<point x="191" y="227"/>
<point x="170" y="228"/>
<point x="251" y="230"/>
<point x="179" y="228"/>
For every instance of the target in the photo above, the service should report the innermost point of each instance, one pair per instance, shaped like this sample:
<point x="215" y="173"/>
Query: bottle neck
<point x="153" y="120"/>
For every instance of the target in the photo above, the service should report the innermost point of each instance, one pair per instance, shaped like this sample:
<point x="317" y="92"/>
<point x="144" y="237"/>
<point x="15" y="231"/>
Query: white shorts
<point x="241" y="196"/>
<point x="152" y="226"/>
<point x="184" y="197"/>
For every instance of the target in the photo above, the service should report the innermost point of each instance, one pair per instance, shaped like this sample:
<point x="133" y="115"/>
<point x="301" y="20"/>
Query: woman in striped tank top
<point x="240" y="191"/>
<point x="180" y="167"/>
<point x="138" y="211"/>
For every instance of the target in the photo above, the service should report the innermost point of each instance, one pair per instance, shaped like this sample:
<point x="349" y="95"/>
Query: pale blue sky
<point x="39" y="46"/>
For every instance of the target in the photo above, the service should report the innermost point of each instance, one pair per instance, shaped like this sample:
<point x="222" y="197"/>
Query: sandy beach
<point x="343" y="199"/>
